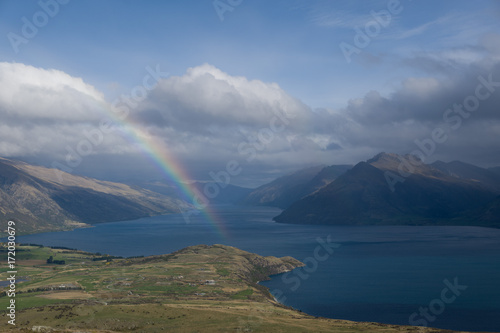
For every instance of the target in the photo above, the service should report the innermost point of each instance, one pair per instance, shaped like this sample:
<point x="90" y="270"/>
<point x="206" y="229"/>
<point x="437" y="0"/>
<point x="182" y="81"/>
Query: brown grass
<point x="67" y="295"/>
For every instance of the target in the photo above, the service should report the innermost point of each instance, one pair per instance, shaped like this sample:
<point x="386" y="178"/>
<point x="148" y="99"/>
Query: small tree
<point x="50" y="260"/>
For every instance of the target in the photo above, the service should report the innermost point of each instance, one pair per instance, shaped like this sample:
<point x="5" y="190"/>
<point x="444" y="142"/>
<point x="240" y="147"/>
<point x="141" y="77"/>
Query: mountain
<point x="366" y="194"/>
<point x="226" y="193"/>
<point x="283" y="191"/>
<point x="159" y="186"/>
<point x="495" y="170"/>
<point x="489" y="215"/>
<point x="488" y="178"/>
<point x="40" y="199"/>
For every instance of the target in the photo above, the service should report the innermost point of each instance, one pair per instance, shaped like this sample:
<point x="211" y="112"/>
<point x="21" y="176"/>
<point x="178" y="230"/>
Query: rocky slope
<point x="41" y="199"/>
<point x="486" y="177"/>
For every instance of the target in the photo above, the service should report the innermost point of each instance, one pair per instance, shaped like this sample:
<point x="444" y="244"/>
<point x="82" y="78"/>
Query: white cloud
<point x="207" y="96"/>
<point x="32" y="92"/>
<point x="401" y="33"/>
<point x="423" y="88"/>
<point x="207" y="117"/>
<point x="45" y="110"/>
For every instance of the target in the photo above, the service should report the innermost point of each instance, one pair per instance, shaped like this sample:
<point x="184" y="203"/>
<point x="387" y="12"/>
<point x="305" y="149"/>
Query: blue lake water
<point x="385" y="274"/>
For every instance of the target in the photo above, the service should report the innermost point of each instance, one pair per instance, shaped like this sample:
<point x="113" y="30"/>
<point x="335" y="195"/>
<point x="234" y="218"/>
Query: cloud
<point x="212" y="112"/>
<point x="338" y="19"/>
<point x="207" y="112"/>
<point x="45" y="110"/>
<point x="205" y="96"/>
<point x="420" y="105"/>
<point x="204" y="118"/>
<point x="436" y="25"/>
<point x="33" y="93"/>
<point x="207" y="117"/>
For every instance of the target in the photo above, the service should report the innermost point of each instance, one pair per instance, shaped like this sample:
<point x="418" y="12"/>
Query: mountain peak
<point x="386" y="161"/>
<point x="462" y="170"/>
<point x="407" y="163"/>
<point x="383" y="156"/>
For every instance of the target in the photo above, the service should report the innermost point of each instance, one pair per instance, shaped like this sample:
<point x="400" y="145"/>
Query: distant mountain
<point x="283" y="191"/>
<point x="490" y="214"/>
<point x="227" y="194"/>
<point x="159" y="186"/>
<point x="495" y="170"/>
<point x="41" y="199"/>
<point x="487" y="177"/>
<point x="362" y="195"/>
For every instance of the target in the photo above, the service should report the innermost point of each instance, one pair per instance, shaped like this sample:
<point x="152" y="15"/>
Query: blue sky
<point x="296" y="44"/>
<point x="293" y="43"/>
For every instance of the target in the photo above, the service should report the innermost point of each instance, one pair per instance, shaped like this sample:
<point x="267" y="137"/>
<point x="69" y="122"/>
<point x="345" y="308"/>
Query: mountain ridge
<point x="285" y="190"/>
<point x="40" y="200"/>
<point x="362" y="196"/>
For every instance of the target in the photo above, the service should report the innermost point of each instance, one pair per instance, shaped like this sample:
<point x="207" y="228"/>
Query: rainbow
<point x="157" y="151"/>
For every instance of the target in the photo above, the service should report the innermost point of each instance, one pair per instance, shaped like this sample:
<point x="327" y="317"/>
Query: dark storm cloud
<point x="423" y="104"/>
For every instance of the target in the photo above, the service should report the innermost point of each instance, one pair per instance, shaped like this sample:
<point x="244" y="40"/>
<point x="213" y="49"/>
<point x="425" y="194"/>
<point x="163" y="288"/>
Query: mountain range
<point x="393" y="189"/>
<point x="226" y="193"/>
<point x="284" y="191"/>
<point x="387" y="189"/>
<point x="40" y="199"/>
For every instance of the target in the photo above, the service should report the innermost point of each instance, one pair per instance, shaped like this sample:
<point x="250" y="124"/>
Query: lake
<point x="445" y="277"/>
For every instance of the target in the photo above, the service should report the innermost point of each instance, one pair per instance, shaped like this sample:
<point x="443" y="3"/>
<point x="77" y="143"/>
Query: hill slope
<point x="283" y="191"/>
<point x="489" y="214"/>
<point x="40" y="199"/>
<point x="487" y="177"/>
<point x="363" y="196"/>
<point x="226" y="193"/>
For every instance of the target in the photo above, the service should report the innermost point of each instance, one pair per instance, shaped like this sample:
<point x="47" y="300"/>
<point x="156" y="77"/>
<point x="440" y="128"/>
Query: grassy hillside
<point x="197" y="289"/>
